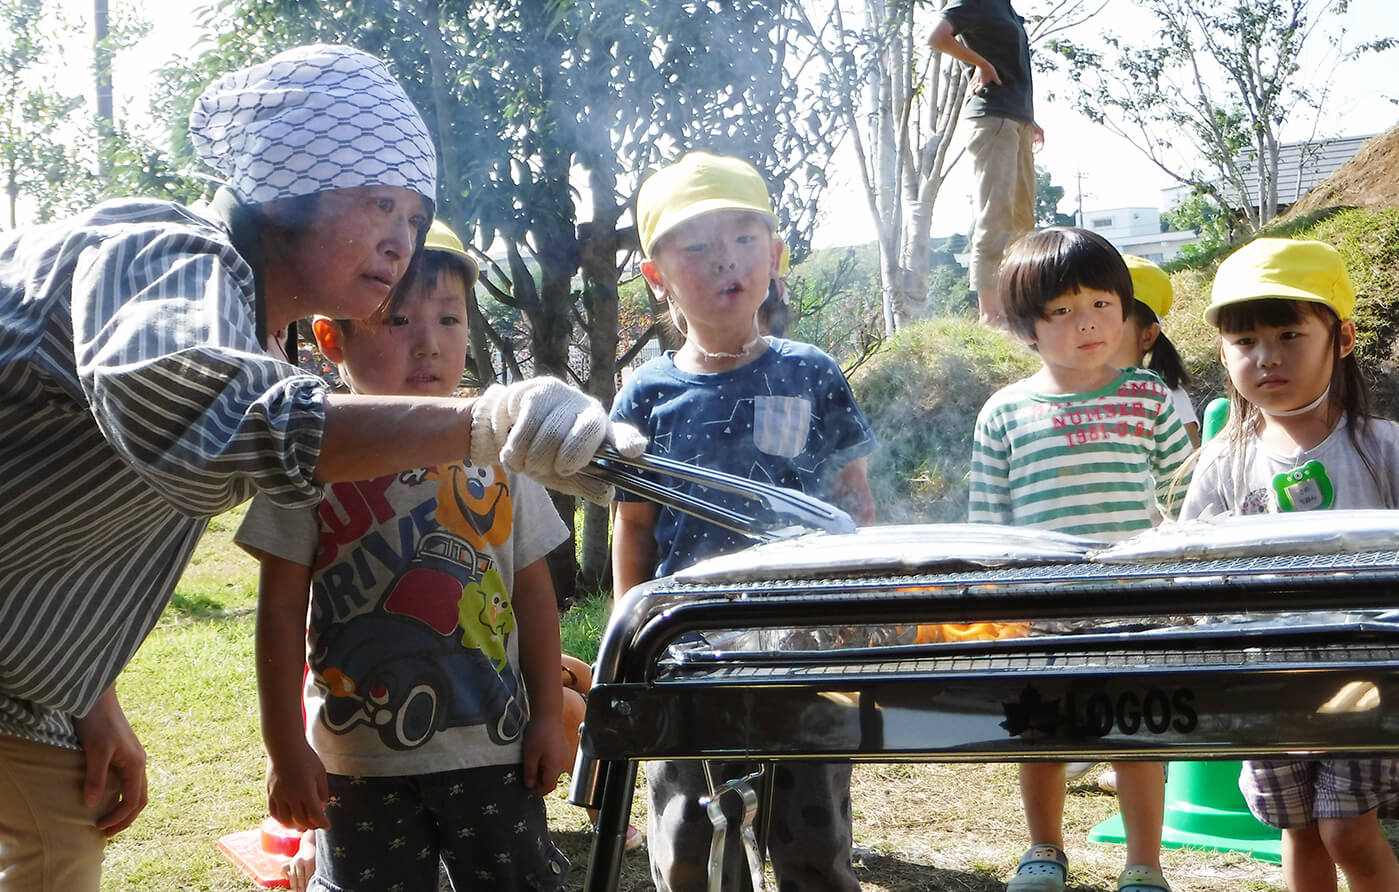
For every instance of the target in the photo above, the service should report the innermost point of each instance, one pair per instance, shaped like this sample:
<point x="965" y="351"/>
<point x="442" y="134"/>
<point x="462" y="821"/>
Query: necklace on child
<point x="1302" y="411"/>
<point x="719" y="354"/>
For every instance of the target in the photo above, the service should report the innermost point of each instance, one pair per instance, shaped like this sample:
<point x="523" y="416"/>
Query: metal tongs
<point x="714" y="807"/>
<point x="780" y="513"/>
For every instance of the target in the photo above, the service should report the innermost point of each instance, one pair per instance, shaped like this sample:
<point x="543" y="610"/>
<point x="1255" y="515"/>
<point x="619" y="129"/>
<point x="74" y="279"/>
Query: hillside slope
<point x="1369" y="180"/>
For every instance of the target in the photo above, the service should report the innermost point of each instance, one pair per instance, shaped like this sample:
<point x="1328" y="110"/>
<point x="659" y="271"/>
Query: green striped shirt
<point x="1091" y="464"/>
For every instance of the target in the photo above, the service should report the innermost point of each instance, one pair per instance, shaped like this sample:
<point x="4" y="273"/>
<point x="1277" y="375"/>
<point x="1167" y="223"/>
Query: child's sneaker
<point x="1043" y="868"/>
<point x="1075" y="770"/>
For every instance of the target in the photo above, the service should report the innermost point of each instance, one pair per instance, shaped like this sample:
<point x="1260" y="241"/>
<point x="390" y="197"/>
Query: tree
<point x="1047" y="198"/>
<point x="834" y="303"/>
<point x="54" y="151"/>
<point x="566" y="105"/>
<point x="899" y="102"/>
<point x="31" y="156"/>
<point x="648" y="80"/>
<point x="899" y="107"/>
<point x="1208" y="98"/>
<point x="1199" y="213"/>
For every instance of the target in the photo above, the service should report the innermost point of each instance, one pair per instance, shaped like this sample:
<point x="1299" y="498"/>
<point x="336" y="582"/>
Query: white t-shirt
<point x="1330" y="475"/>
<point x="411" y="638"/>
<point x="1185" y="410"/>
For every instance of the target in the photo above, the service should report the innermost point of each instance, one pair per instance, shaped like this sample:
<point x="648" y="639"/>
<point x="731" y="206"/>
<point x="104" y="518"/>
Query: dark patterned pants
<point x="387" y="833"/>
<point x="809" y="833"/>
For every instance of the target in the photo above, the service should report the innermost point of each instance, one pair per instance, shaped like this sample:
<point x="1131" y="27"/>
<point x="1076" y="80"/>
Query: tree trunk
<point x="598" y="250"/>
<point x="102" y="70"/>
<point x="550" y="317"/>
<point x="12" y="196"/>
<point x="449" y="176"/>
<point x="480" y="360"/>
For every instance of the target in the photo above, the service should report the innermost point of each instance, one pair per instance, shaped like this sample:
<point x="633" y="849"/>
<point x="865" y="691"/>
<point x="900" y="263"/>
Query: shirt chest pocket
<point x="781" y="424"/>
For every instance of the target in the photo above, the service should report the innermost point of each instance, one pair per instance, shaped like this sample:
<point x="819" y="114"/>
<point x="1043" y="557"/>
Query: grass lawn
<point x="190" y="694"/>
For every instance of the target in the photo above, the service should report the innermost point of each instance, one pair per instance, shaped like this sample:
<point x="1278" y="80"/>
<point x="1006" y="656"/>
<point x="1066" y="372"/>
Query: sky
<point x="1111" y="172"/>
<point x="1114" y="173"/>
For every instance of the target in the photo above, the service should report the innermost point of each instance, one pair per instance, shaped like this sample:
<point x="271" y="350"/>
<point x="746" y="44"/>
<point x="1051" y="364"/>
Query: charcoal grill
<point x="1298" y="657"/>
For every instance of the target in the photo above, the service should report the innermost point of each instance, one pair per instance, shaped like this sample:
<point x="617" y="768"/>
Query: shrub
<point x="922" y="393"/>
<point x="1368" y="241"/>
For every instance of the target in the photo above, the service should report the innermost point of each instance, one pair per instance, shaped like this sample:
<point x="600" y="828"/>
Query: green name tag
<point x="1306" y="489"/>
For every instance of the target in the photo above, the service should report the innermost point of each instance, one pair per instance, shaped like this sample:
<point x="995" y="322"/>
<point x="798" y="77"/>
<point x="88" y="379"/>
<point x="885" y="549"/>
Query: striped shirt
<point x="1091" y="464"/>
<point x="135" y="402"/>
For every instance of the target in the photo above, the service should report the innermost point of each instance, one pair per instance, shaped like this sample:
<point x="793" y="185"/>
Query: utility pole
<point x="1078" y="184"/>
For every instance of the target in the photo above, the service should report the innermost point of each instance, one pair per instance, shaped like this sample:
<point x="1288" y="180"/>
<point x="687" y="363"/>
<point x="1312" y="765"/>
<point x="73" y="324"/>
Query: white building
<point x="1301" y="165"/>
<point x="1132" y="230"/>
<point x="1137" y="230"/>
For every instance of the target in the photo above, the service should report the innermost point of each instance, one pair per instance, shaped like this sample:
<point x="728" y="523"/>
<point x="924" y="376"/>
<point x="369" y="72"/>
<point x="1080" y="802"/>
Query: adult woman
<point x="136" y="401"/>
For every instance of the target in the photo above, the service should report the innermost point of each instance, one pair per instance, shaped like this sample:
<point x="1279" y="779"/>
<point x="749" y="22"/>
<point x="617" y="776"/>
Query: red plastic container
<point x="262" y="853"/>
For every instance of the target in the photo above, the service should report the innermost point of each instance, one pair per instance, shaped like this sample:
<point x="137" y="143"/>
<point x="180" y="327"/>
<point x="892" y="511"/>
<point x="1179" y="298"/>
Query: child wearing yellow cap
<point x="433" y="712"/>
<point x="755" y="406"/>
<point x="1145" y="345"/>
<point x="1300" y="437"/>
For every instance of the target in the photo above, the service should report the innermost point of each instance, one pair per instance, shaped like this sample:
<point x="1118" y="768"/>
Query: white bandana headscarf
<point x="311" y="119"/>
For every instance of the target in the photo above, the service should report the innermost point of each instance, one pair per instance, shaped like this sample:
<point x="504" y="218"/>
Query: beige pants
<point x="49" y="841"/>
<point x="1004" y="166"/>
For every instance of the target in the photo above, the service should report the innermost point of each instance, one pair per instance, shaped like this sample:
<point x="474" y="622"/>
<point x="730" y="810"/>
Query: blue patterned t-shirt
<point x="786" y="418"/>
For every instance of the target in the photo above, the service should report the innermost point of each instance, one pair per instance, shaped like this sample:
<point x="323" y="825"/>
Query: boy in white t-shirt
<point x="433" y="715"/>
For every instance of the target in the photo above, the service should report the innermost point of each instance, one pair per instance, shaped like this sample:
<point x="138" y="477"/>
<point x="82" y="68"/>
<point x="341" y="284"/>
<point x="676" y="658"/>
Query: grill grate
<point x="736" y="669"/>
<point x="1080" y="573"/>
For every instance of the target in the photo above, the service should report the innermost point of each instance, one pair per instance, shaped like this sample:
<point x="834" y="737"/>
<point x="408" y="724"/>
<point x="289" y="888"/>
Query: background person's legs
<point x="1022" y="212"/>
<point x="1141" y="791"/>
<point x="1358" y="847"/>
<point x="1305" y="863"/>
<point x="678" y="831"/>
<point x="1000" y="153"/>
<point x="1042" y="794"/>
<point x="49" y="841"/>
<point x="809" y="834"/>
<point x="809" y="837"/>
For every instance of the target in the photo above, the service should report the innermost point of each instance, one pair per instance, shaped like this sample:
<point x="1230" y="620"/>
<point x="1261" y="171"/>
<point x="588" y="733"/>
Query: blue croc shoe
<point x="1043" y="868"/>
<point x="1140" y="878"/>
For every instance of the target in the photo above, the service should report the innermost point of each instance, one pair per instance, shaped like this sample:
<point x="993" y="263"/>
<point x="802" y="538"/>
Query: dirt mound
<point x="1369" y="180"/>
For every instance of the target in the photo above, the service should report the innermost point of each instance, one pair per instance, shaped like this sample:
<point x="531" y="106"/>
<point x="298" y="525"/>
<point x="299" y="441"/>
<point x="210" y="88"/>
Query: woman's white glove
<point x="549" y="431"/>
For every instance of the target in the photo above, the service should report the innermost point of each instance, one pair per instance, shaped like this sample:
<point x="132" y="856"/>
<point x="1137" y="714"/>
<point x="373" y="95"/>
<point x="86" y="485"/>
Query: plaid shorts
<point x="1297" y="793"/>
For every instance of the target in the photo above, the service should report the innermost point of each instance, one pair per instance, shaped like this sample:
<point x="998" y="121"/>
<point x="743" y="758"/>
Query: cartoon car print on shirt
<point x="407" y="670"/>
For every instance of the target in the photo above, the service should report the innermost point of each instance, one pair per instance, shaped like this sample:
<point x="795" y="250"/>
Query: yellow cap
<point x="1150" y="284"/>
<point x="698" y="183"/>
<point x="1283" y="268"/>
<point x="440" y="237"/>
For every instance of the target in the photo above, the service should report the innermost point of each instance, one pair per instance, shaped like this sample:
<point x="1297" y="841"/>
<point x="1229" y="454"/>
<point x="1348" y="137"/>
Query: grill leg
<point x="610" y="837"/>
